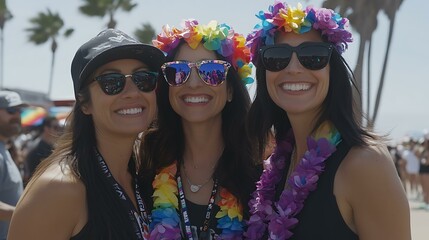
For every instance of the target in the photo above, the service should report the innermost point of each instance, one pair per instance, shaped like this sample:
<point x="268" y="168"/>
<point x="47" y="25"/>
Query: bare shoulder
<point x="370" y="185"/>
<point x="367" y="171"/>
<point x="367" y="158"/>
<point x="52" y="207"/>
<point x="56" y="182"/>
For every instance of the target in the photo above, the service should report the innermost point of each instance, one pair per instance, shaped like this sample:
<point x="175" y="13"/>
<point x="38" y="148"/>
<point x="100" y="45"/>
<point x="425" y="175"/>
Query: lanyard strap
<point x="141" y="220"/>
<point x="184" y="209"/>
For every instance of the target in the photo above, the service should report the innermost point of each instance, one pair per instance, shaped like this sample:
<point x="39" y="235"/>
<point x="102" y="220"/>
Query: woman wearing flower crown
<point x="197" y="157"/>
<point x="328" y="177"/>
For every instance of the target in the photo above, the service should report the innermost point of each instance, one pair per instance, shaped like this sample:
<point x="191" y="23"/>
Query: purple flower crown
<point x="283" y="17"/>
<point x="215" y="37"/>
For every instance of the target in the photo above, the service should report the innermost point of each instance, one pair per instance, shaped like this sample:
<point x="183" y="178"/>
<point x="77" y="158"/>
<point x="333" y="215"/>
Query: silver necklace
<point x="194" y="187"/>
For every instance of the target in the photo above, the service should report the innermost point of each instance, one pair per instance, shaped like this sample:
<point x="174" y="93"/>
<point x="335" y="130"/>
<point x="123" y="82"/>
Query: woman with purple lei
<point x="329" y="177"/>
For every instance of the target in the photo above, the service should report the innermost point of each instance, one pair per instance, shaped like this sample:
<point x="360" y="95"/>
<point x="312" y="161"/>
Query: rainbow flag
<point x="32" y="116"/>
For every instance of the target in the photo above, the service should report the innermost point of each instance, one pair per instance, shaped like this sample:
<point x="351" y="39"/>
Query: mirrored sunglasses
<point x="114" y="83"/>
<point x="212" y="72"/>
<point x="311" y="55"/>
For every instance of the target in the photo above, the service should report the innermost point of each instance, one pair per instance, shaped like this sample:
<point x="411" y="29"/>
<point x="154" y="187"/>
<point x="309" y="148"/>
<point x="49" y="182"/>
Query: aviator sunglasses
<point x="311" y="55"/>
<point x="114" y="83"/>
<point x="212" y="72"/>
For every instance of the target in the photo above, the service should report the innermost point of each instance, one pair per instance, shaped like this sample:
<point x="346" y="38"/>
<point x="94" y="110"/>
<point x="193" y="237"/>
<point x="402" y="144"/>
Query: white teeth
<point x="296" y="86"/>
<point x="130" y="111"/>
<point x="196" y="99"/>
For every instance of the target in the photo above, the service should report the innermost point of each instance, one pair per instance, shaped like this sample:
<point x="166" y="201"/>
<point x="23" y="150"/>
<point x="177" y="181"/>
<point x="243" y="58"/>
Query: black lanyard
<point x="140" y="220"/>
<point x="184" y="209"/>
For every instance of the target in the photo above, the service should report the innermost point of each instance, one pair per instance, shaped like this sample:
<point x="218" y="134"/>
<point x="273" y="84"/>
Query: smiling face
<point x="126" y="113"/>
<point x="295" y="89"/>
<point x="196" y="101"/>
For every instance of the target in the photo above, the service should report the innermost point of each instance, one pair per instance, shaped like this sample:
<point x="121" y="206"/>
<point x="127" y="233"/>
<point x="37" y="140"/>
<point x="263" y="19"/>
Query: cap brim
<point x="19" y="105"/>
<point x="148" y="54"/>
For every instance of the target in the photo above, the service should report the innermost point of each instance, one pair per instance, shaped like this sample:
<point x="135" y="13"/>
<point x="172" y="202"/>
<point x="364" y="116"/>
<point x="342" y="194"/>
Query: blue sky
<point x="405" y="96"/>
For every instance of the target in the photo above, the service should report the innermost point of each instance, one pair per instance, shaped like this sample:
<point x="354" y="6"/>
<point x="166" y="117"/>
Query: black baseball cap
<point x="110" y="45"/>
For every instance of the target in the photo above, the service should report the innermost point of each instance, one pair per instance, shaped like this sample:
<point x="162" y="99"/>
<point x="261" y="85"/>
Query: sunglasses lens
<point x="212" y="73"/>
<point x="145" y="81"/>
<point x="176" y="73"/>
<point x="13" y="110"/>
<point x="276" y="58"/>
<point x="111" y="83"/>
<point x="314" y="57"/>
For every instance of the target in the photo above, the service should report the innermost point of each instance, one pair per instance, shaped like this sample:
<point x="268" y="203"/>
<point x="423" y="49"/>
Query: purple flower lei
<point x="285" y="18"/>
<point x="279" y="217"/>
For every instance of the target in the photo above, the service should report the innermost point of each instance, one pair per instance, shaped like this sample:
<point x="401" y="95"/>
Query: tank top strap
<point x="332" y="165"/>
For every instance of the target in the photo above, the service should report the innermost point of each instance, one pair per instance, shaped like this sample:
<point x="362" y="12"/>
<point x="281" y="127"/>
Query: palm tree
<point x="390" y="8"/>
<point x="47" y="26"/>
<point x="363" y="18"/>
<point x="5" y="15"/>
<point x="99" y="8"/>
<point x="145" y="34"/>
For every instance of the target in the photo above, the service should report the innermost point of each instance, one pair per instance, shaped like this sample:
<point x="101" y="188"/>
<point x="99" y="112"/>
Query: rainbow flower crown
<point x="215" y="37"/>
<point x="282" y="17"/>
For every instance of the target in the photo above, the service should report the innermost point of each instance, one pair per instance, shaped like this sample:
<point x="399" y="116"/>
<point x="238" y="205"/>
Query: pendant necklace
<point x="194" y="187"/>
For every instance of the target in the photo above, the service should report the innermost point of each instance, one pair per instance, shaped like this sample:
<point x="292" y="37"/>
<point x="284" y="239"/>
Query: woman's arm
<point x="379" y="207"/>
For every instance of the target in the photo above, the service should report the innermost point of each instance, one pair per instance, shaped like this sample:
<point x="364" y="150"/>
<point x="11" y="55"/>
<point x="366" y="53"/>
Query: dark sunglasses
<point x="311" y="55"/>
<point x="13" y="110"/>
<point x="114" y="83"/>
<point x="212" y="72"/>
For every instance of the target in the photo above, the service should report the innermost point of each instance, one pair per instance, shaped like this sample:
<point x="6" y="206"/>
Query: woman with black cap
<point x="86" y="189"/>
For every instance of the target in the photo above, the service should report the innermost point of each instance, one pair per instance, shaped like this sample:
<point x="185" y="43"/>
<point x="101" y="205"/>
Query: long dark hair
<point x="164" y="142"/>
<point x="338" y="107"/>
<point x="75" y="150"/>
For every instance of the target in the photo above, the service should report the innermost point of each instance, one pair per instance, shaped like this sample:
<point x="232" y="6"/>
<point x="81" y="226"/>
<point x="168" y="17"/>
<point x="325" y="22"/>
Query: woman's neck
<point x="116" y="152"/>
<point x="302" y="128"/>
<point x="203" y="145"/>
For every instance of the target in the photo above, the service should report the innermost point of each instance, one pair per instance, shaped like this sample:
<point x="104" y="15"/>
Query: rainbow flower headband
<point x="215" y="37"/>
<point x="282" y="17"/>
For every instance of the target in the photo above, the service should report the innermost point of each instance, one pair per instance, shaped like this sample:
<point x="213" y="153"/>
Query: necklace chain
<point x="194" y="187"/>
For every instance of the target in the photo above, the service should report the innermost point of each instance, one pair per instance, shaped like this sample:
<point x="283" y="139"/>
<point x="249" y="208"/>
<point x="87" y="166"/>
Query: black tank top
<point x="320" y="218"/>
<point x="197" y="214"/>
<point x="83" y="234"/>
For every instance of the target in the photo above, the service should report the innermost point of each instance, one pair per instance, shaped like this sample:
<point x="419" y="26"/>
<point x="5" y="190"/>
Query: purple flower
<point x="165" y="232"/>
<point x="279" y="217"/>
<point x="324" y="19"/>
<point x="279" y="229"/>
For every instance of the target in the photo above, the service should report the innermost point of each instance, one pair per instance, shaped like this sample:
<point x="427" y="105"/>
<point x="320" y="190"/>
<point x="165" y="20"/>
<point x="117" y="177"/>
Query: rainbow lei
<point x="282" y="17"/>
<point x="279" y="218"/>
<point x="165" y="215"/>
<point x="215" y="37"/>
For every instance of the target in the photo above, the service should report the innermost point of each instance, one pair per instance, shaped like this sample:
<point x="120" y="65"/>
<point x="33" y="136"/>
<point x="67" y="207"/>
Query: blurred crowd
<point x="411" y="157"/>
<point x="33" y="145"/>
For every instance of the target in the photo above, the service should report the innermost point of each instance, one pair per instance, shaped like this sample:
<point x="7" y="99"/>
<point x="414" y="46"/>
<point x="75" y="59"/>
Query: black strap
<point x="140" y="217"/>
<point x="184" y="209"/>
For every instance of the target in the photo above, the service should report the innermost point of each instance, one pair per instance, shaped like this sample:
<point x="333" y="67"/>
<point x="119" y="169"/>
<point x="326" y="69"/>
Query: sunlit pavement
<point x="419" y="221"/>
